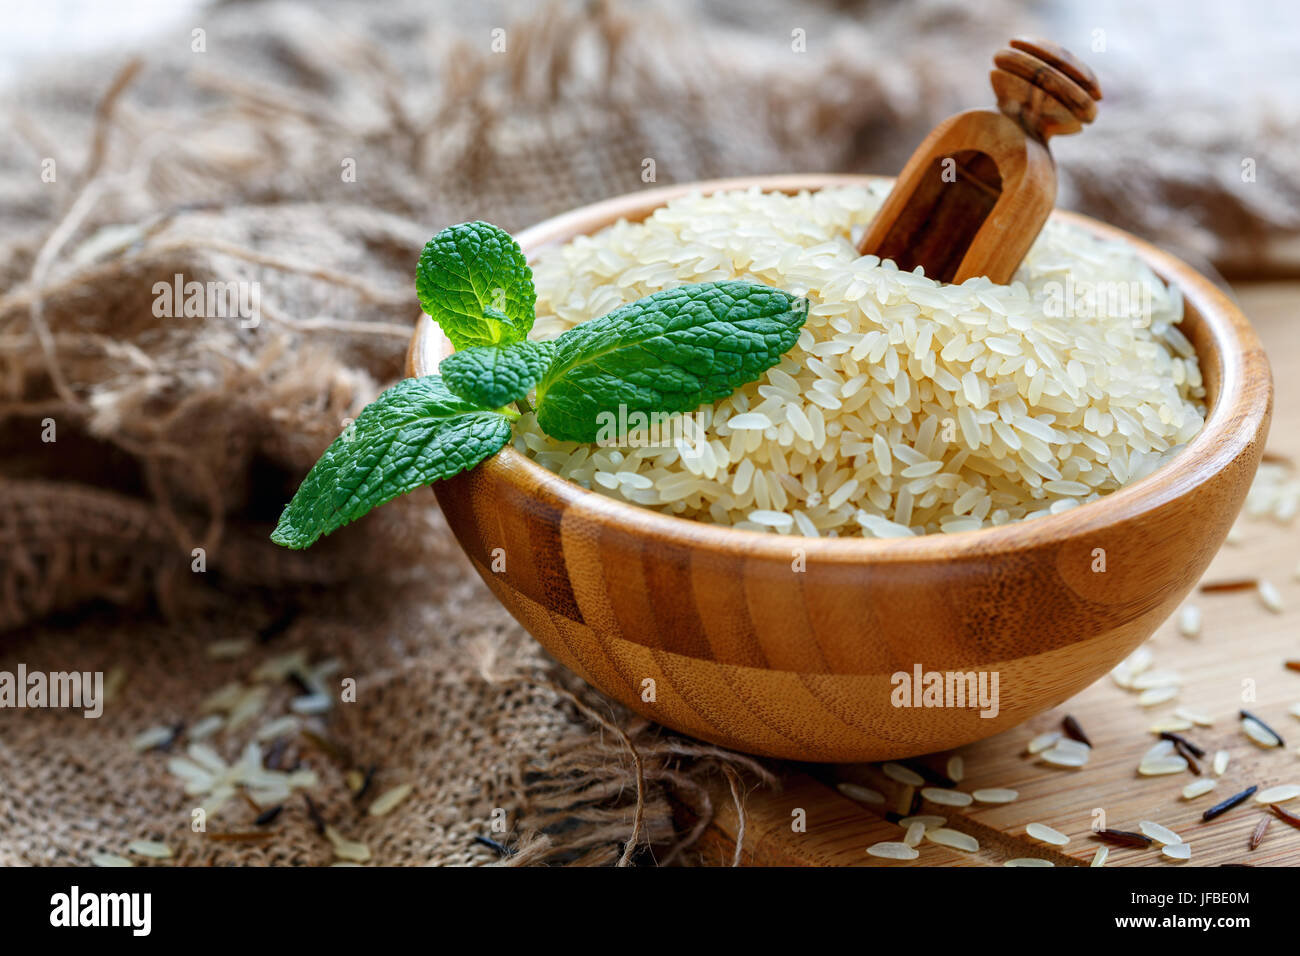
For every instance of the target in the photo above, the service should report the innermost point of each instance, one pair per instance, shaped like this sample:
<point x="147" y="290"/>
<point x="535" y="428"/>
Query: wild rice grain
<point x="1286" y="816"/>
<point x="1221" y="808"/>
<point x="1075" y="731"/>
<point x="1123" y="837"/>
<point x="1261" y="828"/>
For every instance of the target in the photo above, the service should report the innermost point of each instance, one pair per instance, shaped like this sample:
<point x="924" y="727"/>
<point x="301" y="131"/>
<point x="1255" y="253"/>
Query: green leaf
<point x="492" y="377"/>
<point x="669" y="352"/>
<point x="475" y="283"/>
<point x="414" y="433"/>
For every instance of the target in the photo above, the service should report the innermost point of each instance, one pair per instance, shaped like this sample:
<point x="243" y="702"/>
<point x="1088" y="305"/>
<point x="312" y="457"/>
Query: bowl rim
<point x="1235" y="420"/>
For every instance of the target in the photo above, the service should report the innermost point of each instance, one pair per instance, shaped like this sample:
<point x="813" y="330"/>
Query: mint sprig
<point x="474" y="281"/>
<point x="492" y="377"/>
<point x="669" y="352"/>
<point x="415" y="433"/>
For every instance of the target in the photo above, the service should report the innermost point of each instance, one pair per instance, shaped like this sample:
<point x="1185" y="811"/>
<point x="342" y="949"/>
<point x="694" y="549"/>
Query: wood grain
<point x="975" y="194"/>
<point x="786" y="646"/>
<point x="1240" y="640"/>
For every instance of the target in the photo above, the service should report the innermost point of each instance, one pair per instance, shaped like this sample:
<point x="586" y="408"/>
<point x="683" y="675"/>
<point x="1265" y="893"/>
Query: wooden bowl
<point x="710" y="630"/>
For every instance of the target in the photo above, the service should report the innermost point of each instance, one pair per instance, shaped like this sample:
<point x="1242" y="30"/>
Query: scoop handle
<point x="977" y="191"/>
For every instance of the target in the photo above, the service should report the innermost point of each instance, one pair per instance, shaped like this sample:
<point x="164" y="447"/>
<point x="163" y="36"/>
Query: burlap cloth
<point x="175" y="434"/>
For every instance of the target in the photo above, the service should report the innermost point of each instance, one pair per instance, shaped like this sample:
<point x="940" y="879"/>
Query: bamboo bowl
<point x="710" y="631"/>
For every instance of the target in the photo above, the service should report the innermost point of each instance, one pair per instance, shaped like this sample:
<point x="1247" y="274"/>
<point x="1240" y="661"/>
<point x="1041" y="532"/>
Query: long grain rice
<point x="1158" y="832"/>
<point x="907" y="406"/>
<point x="892" y="850"/>
<point x="995" y="795"/>
<point x="953" y="838"/>
<point x="1279" y="794"/>
<point x="948" y="798"/>
<point x="1041" y="831"/>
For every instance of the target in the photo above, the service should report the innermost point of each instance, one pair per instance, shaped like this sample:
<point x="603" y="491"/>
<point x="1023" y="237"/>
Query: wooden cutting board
<point x="1242" y="644"/>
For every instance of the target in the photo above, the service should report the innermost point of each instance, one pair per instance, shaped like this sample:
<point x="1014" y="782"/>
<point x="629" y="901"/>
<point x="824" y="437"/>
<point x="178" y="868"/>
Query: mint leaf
<point x="412" y="434"/>
<point x="492" y="377"/>
<point x="475" y="283"/>
<point x="669" y="352"/>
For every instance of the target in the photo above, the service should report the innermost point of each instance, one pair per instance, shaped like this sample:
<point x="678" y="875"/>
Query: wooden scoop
<point x="976" y="192"/>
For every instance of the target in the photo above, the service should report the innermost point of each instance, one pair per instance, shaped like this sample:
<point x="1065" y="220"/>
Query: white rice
<point x="389" y="799"/>
<point x="892" y="850"/>
<point x="996" y="795"/>
<point x="860" y="793"/>
<point x="1158" y="832"/>
<point x="956" y="768"/>
<point x="1269" y="597"/>
<point x="1160" y="766"/>
<point x="927" y="820"/>
<point x="1221" y="758"/>
<point x="1043" y="741"/>
<point x="953" y="838"/>
<point x="948" y="798"/>
<point x="1280" y="794"/>
<point x="907" y="406"/>
<point x="1041" y="831"/>
<point x="150" y="848"/>
<point x="915" y="833"/>
<point x="904" y="775"/>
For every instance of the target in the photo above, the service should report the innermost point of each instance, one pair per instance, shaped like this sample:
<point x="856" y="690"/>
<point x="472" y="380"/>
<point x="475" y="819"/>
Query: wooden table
<point x="1240" y="642"/>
